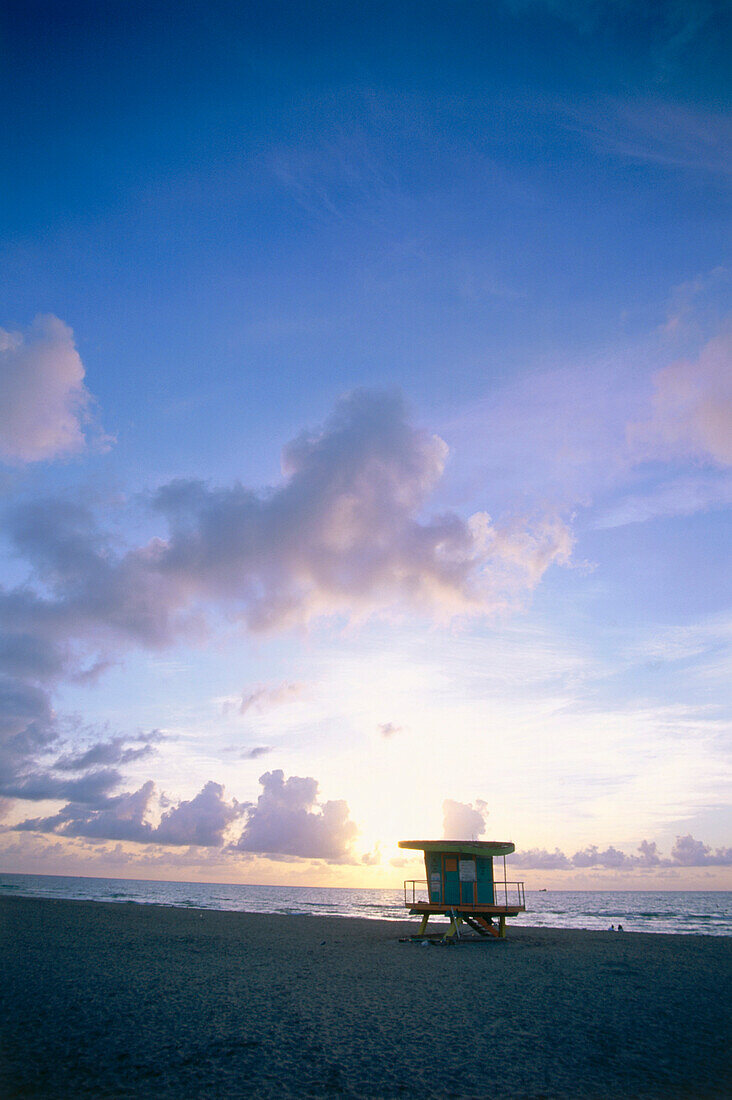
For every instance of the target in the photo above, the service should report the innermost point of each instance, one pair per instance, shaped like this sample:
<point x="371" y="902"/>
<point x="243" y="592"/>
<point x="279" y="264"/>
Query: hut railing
<point x="415" y="890"/>
<point x="510" y="893"/>
<point x="504" y="892"/>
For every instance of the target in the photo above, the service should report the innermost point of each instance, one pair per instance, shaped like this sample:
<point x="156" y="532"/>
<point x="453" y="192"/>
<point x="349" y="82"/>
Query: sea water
<point x="706" y="913"/>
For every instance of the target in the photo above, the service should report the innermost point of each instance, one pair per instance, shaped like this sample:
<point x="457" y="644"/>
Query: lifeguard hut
<point x="461" y="884"/>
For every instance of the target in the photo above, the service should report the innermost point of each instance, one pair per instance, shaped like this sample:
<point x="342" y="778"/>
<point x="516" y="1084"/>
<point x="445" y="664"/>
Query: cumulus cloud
<point x="288" y="820"/>
<point x="686" y="852"/>
<point x="689" y="852"/>
<point x="201" y="821"/>
<point x="463" y="821"/>
<point x="45" y="404"/>
<point x="692" y="408"/>
<point x="343" y="533"/>
<point x="540" y="859"/>
<point x="267" y="696"/>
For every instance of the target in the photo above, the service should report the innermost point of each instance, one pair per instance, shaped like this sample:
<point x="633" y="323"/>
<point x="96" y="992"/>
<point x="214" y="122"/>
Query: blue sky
<point x="366" y="438"/>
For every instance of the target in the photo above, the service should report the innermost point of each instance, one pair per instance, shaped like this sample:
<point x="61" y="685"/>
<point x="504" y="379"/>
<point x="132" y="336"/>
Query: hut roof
<point x="469" y="847"/>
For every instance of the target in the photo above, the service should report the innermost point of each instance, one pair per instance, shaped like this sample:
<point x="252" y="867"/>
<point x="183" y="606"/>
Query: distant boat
<point x="543" y="890"/>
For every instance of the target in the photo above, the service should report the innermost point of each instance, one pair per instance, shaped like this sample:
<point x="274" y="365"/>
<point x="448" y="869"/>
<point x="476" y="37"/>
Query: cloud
<point x="287" y="820"/>
<point x="686" y="852"/>
<point x="389" y="729"/>
<point x="267" y="696"/>
<point x="42" y="785"/>
<point x="683" y="496"/>
<point x="27" y="728"/>
<point x="692" y="408"/>
<point x="611" y="857"/>
<point x="343" y="533"/>
<point x="115" y="751"/>
<point x="201" y="821"/>
<point x="541" y="860"/>
<point x="463" y="821"/>
<point x="257" y="752"/>
<point x="45" y="405"/>
<point x="694" y="853"/>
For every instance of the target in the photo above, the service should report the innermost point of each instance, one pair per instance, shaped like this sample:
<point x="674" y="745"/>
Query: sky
<point x="365" y="439"/>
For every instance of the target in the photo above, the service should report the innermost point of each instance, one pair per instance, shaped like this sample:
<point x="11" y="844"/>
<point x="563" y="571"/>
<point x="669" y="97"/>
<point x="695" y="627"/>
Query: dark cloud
<point x="118" y="750"/>
<point x="27" y="728"/>
<point x="288" y="821"/>
<point x="201" y="821"/>
<point x="31" y="656"/>
<point x="90" y="788"/>
<point x="255" y="753"/>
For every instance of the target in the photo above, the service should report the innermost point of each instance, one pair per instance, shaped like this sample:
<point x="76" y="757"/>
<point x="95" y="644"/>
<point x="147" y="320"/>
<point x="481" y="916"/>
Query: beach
<point x="124" y="1000"/>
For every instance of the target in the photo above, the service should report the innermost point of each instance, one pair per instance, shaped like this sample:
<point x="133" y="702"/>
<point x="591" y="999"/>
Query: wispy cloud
<point x="654" y="131"/>
<point x="389" y="729"/>
<point x="692" y="408"/>
<point x="266" y="697"/>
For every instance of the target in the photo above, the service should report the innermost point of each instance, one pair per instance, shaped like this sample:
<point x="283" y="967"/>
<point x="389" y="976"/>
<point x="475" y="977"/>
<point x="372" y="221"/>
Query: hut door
<point x="468" y="878"/>
<point x="451" y="880"/>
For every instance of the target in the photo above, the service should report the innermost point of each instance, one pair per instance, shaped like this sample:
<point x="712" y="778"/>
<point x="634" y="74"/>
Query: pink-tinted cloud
<point x="268" y="696"/>
<point x="287" y="820"/>
<point x="692" y="408"/>
<point x="45" y="405"/>
<point x="462" y="820"/>
<point x="344" y="533"/>
<point x="686" y="852"/>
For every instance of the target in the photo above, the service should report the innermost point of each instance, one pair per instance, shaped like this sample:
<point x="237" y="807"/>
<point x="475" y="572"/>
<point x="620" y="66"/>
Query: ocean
<point x="689" y="912"/>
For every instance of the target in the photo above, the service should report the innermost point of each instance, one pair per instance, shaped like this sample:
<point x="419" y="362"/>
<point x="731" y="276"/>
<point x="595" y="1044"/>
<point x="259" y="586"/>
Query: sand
<point x="126" y="1000"/>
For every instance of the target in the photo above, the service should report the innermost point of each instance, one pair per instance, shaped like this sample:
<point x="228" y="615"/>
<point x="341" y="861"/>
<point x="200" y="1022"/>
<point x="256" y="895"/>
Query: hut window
<point x="451" y="863"/>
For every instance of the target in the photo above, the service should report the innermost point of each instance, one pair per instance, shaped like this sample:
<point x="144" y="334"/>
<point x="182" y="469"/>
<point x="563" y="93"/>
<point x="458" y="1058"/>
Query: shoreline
<point x="410" y="921"/>
<point x="120" y="998"/>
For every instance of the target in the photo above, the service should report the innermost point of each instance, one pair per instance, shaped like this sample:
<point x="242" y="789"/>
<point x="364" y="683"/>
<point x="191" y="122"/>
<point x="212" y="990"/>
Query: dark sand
<point x="135" y="1001"/>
